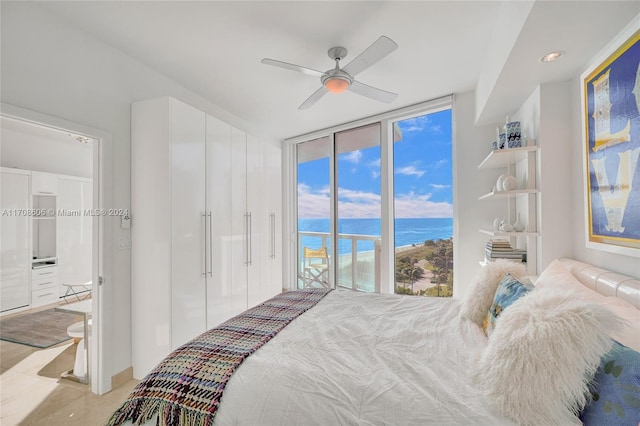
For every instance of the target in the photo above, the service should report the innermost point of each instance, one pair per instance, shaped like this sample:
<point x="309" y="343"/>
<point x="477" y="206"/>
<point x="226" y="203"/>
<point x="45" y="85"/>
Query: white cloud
<point x="375" y="166"/>
<point x="313" y="204"/>
<point x="419" y="124"/>
<point x="438" y="186"/>
<point x="409" y="171"/>
<point x="358" y="196"/>
<point x="352" y="157"/>
<point x="416" y="206"/>
<point x="438" y="164"/>
<point x="416" y="124"/>
<point x="361" y="204"/>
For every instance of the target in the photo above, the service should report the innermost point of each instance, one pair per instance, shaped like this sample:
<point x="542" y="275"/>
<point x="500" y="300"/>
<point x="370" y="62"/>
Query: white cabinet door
<point x="44" y="183"/>
<point x="239" y="220"/>
<point x="15" y="250"/>
<point x="74" y="231"/>
<point x="256" y="186"/>
<point x="188" y="223"/>
<point x="219" y="177"/>
<point x="272" y="176"/>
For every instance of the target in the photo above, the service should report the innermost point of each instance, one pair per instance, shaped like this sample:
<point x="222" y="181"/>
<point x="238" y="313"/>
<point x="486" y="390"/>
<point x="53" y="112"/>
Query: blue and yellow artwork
<point x="612" y="105"/>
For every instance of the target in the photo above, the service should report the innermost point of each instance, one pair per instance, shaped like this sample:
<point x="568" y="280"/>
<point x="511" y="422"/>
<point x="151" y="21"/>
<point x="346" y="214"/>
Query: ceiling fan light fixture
<point x="336" y="84"/>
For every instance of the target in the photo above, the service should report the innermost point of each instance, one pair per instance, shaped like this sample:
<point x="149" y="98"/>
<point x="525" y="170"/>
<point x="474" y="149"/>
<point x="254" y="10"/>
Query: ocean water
<point x="407" y="231"/>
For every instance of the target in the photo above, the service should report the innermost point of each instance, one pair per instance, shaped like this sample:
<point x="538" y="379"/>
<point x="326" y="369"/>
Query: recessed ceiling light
<point x="550" y="57"/>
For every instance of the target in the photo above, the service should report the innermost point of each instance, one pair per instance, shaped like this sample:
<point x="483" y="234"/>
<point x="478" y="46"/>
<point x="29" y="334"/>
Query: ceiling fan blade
<point x="292" y="67"/>
<point x="372" y="54"/>
<point x="372" y="92"/>
<point x="314" y="98"/>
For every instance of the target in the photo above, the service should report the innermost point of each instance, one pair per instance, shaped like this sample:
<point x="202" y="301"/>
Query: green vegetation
<point x="436" y="256"/>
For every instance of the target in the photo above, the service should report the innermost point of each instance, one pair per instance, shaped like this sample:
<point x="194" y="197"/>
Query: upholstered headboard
<point x="605" y="282"/>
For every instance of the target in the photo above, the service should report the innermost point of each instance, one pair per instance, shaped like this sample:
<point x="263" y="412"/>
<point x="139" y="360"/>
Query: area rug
<point x="39" y="329"/>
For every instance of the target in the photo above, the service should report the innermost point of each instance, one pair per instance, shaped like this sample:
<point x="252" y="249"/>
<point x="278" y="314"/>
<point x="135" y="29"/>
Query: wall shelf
<point x="499" y="158"/>
<point x="508" y="194"/>
<point x="520" y="163"/>
<point x="508" y="234"/>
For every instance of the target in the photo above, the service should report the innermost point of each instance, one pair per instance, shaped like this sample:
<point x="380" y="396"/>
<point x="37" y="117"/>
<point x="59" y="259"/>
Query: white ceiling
<point x="214" y="49"/>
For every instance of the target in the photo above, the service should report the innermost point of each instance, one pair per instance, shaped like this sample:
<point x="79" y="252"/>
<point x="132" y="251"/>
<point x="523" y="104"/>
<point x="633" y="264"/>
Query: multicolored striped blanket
<point x="186" y="387"/>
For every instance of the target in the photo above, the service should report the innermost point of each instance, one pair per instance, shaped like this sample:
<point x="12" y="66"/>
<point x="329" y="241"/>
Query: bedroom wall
<point x="472" y="144"/>
<point x="50" y="67"/>
<point x="546" y="117"/>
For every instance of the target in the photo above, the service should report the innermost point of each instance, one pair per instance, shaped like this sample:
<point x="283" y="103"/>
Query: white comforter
<point x="363" y="359"/>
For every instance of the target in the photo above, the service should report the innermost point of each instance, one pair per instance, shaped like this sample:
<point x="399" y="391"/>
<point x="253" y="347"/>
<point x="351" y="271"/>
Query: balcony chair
<point x="316" y="268"/>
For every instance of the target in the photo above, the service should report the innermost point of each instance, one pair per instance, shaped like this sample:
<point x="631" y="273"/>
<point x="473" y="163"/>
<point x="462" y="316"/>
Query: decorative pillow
<point x="542" y="355"/>
<point x="509" y="290"/>
<point x="616" y="390"/>
<point x="557" y="276"/>
<point x="479" y="297"/>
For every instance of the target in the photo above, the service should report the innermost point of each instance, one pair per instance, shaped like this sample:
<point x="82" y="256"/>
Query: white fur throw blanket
<point x="542" y="355"/>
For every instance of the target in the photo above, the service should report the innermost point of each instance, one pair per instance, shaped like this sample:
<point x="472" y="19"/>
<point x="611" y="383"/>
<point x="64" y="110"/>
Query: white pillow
<point x="557" y="276"/>
<point x="479" y="298"/>
<point x="542" y="355"/>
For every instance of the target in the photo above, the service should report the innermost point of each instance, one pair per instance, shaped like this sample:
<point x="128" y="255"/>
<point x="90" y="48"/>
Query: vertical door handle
<point x="246" y="239"/>
<point x="273" y="235"/>
<point x="210" y="243"/>
<point x="250" y="240"/>
<point x="204" y="240"/>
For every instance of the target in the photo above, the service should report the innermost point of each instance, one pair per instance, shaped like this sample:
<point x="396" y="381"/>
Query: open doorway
<point x="52" y="227"/>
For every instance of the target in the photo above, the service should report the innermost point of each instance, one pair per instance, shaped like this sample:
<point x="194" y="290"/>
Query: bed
<point x="370" y="359"/>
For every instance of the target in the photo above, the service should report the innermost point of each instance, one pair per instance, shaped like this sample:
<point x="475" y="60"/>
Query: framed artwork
<point x="611" y="94"/>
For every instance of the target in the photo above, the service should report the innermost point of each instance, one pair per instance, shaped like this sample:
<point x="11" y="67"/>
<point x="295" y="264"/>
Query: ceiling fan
<point x="337" y="80"/>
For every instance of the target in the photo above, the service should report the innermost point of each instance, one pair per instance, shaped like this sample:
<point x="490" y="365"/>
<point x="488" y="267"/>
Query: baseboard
<point x="121" y="378"/>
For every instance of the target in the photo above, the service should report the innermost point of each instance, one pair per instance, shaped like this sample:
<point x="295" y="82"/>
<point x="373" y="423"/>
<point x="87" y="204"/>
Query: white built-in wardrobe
<point x="46" y="238"/>
<point x="206" y="236"/>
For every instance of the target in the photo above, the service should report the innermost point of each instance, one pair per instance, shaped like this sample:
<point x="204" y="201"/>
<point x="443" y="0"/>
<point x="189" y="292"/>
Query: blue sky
<point x="422" y="175"/>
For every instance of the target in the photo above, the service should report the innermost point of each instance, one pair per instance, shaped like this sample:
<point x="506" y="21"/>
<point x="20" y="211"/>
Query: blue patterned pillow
<point x="509" y="290"/>
<point x="616" y="390"/>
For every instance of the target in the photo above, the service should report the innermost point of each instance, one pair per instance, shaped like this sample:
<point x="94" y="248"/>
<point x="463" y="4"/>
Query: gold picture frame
<point x="611" y="118"/>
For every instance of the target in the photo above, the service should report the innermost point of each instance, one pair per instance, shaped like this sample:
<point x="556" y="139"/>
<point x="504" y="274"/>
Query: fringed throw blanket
<point x="186" y="387"/>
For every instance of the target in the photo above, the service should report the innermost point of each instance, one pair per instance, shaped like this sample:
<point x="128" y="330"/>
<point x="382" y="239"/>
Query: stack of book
<point x="501" y="249"/>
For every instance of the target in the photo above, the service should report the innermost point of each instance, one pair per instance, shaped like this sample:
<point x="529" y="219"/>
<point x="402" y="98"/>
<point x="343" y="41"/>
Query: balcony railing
<point x="358" y="261"/>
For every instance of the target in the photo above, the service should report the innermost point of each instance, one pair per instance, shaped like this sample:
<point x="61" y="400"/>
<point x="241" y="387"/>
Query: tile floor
<point x="32" y="392"/>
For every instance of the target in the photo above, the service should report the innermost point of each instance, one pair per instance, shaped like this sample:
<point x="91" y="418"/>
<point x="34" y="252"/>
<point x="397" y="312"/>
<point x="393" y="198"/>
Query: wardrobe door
<point x="240" y="221"/>
<point x="15" y="261"/>
<point x="189" y="223"/>
<point x="272" y="176"/>
<point x="219" y="176"/>
<point x="74" y="233"/>
<point x="256" y="186"/>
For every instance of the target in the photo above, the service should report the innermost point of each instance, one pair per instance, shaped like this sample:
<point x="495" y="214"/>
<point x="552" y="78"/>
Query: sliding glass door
<point x="314" y="213"/>
<point x="347" y="164"/>
<point x="358" y="210"/>
<point x="375" y="205"/>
